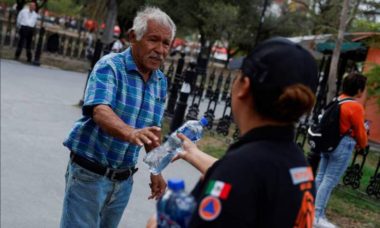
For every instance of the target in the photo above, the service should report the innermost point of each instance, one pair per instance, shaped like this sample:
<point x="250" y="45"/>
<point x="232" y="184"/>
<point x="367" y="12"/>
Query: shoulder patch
<point x="218" y="189"/>
<point x="301" y="174"/>
<point x="209" y="208"/>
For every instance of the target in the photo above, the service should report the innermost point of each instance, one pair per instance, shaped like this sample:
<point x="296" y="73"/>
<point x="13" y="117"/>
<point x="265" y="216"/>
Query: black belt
<point x="26" y="27"/>
<point x="112" y="174"/>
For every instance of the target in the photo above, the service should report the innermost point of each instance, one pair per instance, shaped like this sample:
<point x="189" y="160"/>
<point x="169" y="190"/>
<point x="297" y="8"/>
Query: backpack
<point x="325" y="136"/>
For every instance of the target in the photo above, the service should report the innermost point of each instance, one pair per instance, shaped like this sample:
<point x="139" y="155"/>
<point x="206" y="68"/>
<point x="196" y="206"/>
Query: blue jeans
<point x="92" y="200"/>
<point x="331" y="168"/>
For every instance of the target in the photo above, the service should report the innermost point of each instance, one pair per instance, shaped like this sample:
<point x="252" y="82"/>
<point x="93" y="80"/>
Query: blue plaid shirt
<point x="116" y="82"/>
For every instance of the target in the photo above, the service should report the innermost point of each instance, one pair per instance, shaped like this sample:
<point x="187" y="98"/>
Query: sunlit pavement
<point x="38" y="108"/>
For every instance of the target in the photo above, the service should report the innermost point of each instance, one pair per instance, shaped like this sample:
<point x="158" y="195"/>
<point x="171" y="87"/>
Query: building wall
<point x="372" y="108"/>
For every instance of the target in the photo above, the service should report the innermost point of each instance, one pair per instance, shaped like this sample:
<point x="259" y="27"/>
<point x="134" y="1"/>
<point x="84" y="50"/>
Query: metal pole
<point x="181" y="106"/>
<point x="95" y="58"/>
<point x="37" y="54"/>
<point x="175" y="87"/>
<point x="261" y="21"/>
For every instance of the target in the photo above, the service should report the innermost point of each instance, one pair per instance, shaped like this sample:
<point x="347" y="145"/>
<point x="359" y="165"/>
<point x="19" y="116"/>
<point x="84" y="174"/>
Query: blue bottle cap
<point x="203" y="121"/>
<point x="176" y="184"/>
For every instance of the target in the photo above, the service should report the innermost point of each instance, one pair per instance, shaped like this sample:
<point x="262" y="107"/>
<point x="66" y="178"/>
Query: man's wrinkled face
<point x="151" y="50"/>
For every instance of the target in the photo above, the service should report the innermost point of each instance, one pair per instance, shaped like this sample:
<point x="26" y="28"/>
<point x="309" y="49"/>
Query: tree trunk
<point x="336" y="54"/>
<point x="110" y="22"/>
<point x="261" y="21"/>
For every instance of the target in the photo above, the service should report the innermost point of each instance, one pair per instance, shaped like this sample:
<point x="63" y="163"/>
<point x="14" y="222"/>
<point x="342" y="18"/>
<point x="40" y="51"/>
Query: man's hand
<point x="108" y="121"/>
<point x="154" y="144"/>
<point x="157" y="186"/>
<point x="145" y="136"/>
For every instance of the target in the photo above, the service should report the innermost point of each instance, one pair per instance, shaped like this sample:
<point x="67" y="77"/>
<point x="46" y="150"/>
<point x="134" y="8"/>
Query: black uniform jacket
<point x="262" y="181"/>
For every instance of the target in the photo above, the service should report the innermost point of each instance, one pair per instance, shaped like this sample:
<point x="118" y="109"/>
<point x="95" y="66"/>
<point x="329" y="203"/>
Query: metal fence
<point x="210" y="97"/>
<point x="55" y="40"/>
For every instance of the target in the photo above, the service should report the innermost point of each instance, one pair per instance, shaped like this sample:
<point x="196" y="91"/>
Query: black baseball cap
<point x="277" y="63"/>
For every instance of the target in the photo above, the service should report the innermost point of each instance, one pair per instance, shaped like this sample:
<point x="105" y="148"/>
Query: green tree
<point x="65" y="7"/>
<point x="362" y="25"/>
<point x="373" y="83"/>
<point x="233" y="21"/>
<point x="126" y="12"/>
<point x="39" y="4"/>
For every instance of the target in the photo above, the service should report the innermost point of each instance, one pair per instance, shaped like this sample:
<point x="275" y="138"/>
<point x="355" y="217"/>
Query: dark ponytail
<point x="285" y="105"/>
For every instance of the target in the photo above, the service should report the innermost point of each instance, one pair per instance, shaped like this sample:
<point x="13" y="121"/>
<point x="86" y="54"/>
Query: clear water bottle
<point x="175" y="208"/>
<point x="160" y="157"/>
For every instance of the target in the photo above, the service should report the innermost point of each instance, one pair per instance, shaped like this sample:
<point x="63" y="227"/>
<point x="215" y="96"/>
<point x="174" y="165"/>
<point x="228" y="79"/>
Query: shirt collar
<point x="277" y="133"/>
<point x="131" y="66"/>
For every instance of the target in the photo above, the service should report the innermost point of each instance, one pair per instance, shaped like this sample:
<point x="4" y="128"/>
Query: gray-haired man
<point x="122" y="111"/>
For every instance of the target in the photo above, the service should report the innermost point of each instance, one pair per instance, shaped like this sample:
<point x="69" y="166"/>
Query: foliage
<point x="126" y="12"/>
<point x="373" y="83"/>
<point x="60" y="7"/>
<point x="235" y="22"/>
<point x="362" y="25"/>
<point x="94" y="9"/>
<point x="64" y="7"/>
<point x="8" y="2"/>
<point x="352" y="205"/>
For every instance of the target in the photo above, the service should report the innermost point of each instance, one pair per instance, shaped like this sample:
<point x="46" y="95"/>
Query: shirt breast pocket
<point x="159" y="107"/>
<point x="160" y="99"/>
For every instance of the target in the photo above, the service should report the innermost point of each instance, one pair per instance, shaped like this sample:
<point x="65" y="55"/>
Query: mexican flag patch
<point x="218" y="189"/>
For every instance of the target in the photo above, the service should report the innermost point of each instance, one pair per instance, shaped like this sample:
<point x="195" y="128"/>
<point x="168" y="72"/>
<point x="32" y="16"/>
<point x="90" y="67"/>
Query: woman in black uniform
<point x="263" y="179"/>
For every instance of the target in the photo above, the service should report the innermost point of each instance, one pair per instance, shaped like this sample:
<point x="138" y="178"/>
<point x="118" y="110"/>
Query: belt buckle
<point x="112" y="177"/>
<point x="108" y="172"/>
<point x="114" y="172"/>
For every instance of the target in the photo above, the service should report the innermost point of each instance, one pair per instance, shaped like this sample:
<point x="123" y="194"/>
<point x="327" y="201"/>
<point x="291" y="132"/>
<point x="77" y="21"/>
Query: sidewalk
<point x="38" y="108"/>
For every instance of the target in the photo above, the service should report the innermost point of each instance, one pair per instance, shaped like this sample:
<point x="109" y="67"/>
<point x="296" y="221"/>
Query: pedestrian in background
<point x="334" y="164"/>
<point x="122" y="111"/>
<point x="90" y="44"/>
<point x="117" y="45"/>
<point x="26" y="22"/>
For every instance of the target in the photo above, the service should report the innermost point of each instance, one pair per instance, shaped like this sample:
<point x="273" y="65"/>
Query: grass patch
<point x="368" y="172"/>
<point x="213" y="146"/>
<point x="352" y="208"/>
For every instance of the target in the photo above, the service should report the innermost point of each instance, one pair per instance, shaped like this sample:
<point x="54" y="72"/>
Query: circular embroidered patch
<point x="209" y="208"/>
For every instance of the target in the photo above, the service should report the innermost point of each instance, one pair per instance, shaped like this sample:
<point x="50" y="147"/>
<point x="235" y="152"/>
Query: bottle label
<point x="164" y="221"/>
<point x="186" y="131"/>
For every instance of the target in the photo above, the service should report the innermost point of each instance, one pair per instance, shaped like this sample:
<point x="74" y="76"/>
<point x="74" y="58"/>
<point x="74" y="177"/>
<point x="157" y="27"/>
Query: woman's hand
<point x="188" y="148"/>
<point x="194" y="156"/>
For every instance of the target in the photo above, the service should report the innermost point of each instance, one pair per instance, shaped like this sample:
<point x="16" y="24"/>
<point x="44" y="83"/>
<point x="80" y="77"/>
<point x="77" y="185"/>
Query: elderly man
<point x="122" y="111"/>
<point x="26" y="21"/>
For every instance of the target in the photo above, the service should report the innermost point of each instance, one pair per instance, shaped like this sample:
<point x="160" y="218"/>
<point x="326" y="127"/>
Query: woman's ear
<point x="244" y="87"/>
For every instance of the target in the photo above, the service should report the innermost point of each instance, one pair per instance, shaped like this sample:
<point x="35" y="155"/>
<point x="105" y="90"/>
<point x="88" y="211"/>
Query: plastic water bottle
<point x="175" y="208"/>
<point x="160" y="157"/>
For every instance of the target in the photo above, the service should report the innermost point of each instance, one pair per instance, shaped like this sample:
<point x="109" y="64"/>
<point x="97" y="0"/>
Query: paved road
<point x="38" y="108"/>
